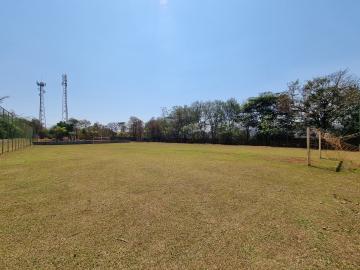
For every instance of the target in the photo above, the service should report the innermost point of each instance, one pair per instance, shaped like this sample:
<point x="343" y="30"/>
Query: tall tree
<point x="153" y="129"/>
<point x="327" y="98"/>
<point x="229" y="128"/>
<point x="136" y="128"/>
<point x="214" y="114"/>
<point x="115" y="126"/>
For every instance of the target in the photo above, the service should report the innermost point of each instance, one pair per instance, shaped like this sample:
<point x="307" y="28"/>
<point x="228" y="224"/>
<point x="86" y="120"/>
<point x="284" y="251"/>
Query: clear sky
<point x="133" y="57"/>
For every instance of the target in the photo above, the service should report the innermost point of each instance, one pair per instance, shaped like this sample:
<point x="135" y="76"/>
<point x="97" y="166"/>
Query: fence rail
<point x="15" y="132"/>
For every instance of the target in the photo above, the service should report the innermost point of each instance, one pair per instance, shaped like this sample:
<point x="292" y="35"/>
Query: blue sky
<point x="133" y="57"/>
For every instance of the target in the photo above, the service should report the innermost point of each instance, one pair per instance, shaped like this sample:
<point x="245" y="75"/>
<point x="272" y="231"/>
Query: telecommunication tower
<point x="65" y="112"/>
<point x="41" y="87"/>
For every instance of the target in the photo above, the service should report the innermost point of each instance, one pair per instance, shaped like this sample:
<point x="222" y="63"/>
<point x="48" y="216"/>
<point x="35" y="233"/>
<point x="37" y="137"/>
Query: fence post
<point x="320" y="146"/>
<point x="8" y="133"/>
<point x="12" y="133"/>
<point x="3" y="137"/>
<point x="308" y="146"/>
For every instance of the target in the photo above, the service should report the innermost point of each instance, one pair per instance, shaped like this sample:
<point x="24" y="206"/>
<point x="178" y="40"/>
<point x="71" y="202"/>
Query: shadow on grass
<point x="327" y="164"/>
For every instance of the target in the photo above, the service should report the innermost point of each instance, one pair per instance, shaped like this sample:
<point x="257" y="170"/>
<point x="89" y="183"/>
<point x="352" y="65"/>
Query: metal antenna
<point x="65" y="112"/>
<point x="42" y="119"/>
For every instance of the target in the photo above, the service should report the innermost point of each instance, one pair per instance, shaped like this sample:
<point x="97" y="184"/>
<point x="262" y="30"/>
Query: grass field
<point x="172" y="206"/>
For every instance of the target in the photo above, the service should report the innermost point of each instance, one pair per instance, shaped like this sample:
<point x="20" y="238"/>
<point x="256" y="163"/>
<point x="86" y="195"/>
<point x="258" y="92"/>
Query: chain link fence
<point x="15" y="132"/>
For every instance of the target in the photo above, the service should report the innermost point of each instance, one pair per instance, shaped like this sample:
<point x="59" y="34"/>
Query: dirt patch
<point x="292" y="160"/>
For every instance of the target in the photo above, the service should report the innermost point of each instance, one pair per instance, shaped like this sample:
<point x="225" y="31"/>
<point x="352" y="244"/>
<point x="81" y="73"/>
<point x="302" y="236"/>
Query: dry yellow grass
<point x="171" y="206"/>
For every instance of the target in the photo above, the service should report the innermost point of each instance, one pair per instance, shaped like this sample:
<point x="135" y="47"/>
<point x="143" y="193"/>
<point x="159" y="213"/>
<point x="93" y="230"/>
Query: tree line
<point x="331" y="103"/>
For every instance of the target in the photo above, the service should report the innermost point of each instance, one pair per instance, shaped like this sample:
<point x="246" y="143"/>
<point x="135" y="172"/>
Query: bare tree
<point x="116" y="126"/>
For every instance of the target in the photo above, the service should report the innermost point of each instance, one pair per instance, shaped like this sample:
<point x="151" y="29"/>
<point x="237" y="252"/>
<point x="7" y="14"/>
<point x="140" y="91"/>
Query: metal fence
<point x="15" y="132"/>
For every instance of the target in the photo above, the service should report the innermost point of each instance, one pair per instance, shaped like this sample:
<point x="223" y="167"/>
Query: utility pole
<point x="65" y="112"/>
<point x="42" y="118"/>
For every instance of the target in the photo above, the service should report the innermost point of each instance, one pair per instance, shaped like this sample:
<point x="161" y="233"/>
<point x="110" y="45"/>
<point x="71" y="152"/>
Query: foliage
<point x="12" y="126"/>
<point x="136" y="128"/>
<point x="330" y="102"/>
<point x="58" y="132"/>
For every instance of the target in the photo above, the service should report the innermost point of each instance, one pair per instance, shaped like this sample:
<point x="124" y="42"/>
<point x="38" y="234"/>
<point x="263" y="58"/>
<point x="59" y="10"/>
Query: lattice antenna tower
<point x="65" y="112"/>
<point x="41" y="88"/>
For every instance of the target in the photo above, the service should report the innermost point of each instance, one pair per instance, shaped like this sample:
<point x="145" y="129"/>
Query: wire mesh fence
<point x="15" y="132"/>
<point x="328" y="151"/>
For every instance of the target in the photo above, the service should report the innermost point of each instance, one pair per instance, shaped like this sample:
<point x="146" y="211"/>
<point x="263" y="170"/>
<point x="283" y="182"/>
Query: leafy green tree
<point x="61" y="130"/>
<point x="58" y="132"/>
<point x="349" y="111"/>
<point x="5" y="128"/>
<point x="260" y="114"/>
<point x="331" y="102"/>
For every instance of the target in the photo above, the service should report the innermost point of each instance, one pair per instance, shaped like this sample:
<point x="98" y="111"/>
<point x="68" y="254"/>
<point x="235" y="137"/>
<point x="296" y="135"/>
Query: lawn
<point x="175" y="206"/>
